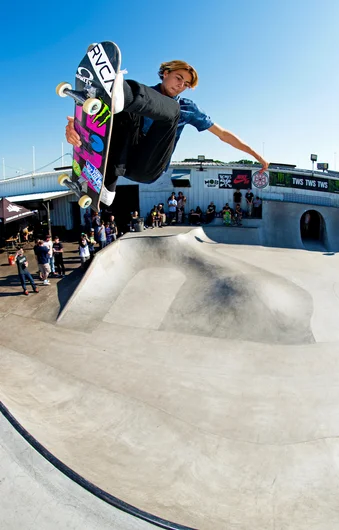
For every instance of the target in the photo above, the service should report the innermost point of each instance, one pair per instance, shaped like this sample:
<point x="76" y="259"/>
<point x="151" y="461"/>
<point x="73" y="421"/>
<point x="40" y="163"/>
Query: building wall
<point x="61" y="215"/>
<point x="200" y="195"/>
<point x="38" y="183"/>
<point x="149" y="194"/>
<point x="197" y="194"/>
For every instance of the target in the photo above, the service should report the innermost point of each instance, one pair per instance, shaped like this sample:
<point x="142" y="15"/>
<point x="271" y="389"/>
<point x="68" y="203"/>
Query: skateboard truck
<point x="90" y="106"/>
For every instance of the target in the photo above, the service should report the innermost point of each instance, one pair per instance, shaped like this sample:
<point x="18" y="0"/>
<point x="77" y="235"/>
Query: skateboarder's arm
<point x="72" y="136"/>
<point x="234" y="141"/>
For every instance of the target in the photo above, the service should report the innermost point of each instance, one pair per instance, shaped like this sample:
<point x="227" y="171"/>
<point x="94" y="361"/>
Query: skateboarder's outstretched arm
<point x="234" y="141"/>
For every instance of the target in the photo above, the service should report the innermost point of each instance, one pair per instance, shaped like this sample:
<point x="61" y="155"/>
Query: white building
<point x="201" y="180"/>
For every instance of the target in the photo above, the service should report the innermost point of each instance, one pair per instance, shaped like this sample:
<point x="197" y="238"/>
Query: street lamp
<point x="314" y="158"/>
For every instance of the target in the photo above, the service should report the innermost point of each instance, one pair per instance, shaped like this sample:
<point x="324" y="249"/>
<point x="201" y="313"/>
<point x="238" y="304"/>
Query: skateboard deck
<point x="227" y="218"/>
<point x="93" y="121"/>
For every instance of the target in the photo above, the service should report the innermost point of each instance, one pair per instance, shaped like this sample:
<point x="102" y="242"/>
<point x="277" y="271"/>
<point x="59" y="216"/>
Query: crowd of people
<point x="49" y="259"/>
<point x="99" y="232"/>
<point x="176" y="212"/>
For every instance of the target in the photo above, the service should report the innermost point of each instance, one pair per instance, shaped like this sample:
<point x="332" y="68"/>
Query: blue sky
<point x="268" y="71"/>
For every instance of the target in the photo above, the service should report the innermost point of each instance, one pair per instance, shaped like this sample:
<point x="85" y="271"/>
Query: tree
<point x="245" y="162"/>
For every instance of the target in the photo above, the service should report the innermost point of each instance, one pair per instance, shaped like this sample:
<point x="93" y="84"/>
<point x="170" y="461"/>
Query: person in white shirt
<point x="172" y="208"/>
<point x="49" y="244"/>
<point x="84" y="251"/>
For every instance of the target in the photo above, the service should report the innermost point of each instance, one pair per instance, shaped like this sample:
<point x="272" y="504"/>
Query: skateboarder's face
<point x="175" y="82"/>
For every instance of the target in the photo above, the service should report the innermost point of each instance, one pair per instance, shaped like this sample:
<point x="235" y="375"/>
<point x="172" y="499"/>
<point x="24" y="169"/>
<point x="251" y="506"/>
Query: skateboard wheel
<point x="85" y="201"/>
<point x="61" y="87"/>
<point x="92" y="106"/>
<point x="62" y="179"/>
<point x="90" y="47"/>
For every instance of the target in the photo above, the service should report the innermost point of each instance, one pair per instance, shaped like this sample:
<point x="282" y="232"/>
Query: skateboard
<point x="227" y="218"/>
<point x="93" y="120"/>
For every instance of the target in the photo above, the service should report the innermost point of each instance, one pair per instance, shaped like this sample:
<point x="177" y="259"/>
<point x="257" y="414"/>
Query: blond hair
<point x="171" y="66"/>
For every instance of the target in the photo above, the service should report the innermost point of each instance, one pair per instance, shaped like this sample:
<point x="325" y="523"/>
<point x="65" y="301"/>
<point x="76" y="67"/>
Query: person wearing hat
<point x="91" y="243"/>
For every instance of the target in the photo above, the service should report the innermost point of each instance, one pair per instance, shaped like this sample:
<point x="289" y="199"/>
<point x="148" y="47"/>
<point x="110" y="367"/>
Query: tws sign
<point x="312" y="183"/>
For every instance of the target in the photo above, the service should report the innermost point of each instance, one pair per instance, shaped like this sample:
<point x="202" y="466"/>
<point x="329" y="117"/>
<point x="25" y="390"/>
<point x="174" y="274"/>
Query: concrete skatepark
<point x="191" y="379"/>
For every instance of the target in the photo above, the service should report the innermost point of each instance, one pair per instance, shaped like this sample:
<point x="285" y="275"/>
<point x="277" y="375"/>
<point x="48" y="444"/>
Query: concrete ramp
<point x="179" y="283"/>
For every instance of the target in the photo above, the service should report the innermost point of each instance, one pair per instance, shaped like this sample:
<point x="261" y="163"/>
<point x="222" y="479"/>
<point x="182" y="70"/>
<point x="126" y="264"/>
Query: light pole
<point x="314" y="158"/>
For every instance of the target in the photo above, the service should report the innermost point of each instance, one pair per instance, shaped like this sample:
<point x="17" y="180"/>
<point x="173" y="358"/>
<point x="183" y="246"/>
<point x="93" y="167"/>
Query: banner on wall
<point x="311" y="183"/>
<point x="225" y="181"/>
<point x="242" y="179"/>
<point x="211" y="183"/>
<point x="260" y="179"/>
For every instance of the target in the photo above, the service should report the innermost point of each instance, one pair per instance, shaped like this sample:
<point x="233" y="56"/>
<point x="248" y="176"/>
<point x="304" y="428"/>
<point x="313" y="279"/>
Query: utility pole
<point x="33" y="159"/>
<point x="3" y="168"/>
<point x="48" y="216"/>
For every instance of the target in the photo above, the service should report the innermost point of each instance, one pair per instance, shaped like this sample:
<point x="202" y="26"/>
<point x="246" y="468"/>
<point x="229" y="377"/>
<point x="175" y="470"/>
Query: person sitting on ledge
<point x="238" y="215"/>
<point x="210" y="212"/>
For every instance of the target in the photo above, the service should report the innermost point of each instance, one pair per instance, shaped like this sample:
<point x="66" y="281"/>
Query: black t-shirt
<point x="113" y="227"/>
<point x="21" y="261"/>
<point x="237" y="196"/>
<point x="249" y="196"/>
<point x="58" y="246"/>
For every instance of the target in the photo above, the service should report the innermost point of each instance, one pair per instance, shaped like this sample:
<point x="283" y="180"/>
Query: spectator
<point x="102" y="235"/>
<point x="114" y="228"/>
<point x="227" y="215"/>
<point x="194" y="217"/>
<point x="23" y="229"/>
<point x="161" y="213"/>
<point x="58" y="252"/>
<point x="134" y="221"/>
<point x="91" y="243"/>
<point x="227" y="207"/>
<point x="257" y="207"/>
<point x="23" y="272"/>
<point x="88" y="220"/>
<point x="109" y="235"/>
<point x="153" y="215"/>
<point x="36" y="257"/>
<point x="237" y="196"/>
<point x="49" y="244"/>
<point x="238" y="215"/>
<point x="172" y="208"/>
<point x="181" y="201"/>
<point x="42" y="253"/>
<point x="198" y="210"/>
<point x="210" y="212"/>
<point x="96" y="223"/>
<point x="84" y="251"/>
<point x="249" y="201"/>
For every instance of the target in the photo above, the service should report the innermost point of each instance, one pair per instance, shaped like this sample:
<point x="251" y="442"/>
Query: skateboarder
<point x="145" y="133"/>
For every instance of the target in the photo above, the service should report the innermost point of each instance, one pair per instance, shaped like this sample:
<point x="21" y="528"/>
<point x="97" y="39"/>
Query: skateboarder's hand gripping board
<point x="71" y="134"/>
